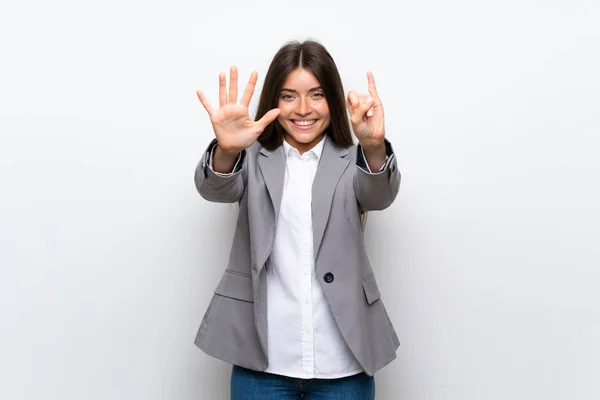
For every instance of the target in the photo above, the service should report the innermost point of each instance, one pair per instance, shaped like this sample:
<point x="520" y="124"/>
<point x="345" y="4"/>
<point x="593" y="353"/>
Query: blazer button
<point x="328" y="277"/>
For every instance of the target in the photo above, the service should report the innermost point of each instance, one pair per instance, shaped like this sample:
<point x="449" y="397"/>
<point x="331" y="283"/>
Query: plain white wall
<point x="488" y="261"/>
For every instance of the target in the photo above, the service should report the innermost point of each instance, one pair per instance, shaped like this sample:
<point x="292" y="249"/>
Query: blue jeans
<point x="255" y="385"/>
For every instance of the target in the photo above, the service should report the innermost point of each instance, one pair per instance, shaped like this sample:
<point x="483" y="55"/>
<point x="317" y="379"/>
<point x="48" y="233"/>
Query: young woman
<point x="297" y="311"/>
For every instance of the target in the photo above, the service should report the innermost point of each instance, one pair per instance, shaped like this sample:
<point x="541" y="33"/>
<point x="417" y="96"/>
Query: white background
<point x="488" y="261"/>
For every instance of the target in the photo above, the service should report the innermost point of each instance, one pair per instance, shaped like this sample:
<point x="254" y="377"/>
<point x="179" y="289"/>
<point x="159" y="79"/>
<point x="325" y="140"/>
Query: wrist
<point x="226" y="152"/>
<point x="370" y="145"/>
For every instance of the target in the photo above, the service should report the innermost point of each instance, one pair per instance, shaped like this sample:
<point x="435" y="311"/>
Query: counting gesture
<point x="234" y="129"/>
<point x="366" y="115"/>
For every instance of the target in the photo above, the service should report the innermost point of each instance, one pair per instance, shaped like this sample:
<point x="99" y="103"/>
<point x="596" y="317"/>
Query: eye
<point x="319" y="94"/>
<point x="286" y="96"/>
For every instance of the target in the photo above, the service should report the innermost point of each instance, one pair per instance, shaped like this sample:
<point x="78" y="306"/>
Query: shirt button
<point x="328" y="277"/>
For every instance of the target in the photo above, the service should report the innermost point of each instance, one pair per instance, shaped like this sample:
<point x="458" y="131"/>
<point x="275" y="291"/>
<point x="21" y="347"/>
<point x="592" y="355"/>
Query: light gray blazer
<point x="234" y="328"/>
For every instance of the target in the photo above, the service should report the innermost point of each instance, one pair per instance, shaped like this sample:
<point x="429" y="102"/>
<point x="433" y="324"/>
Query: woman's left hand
<point x="366" y="116"/>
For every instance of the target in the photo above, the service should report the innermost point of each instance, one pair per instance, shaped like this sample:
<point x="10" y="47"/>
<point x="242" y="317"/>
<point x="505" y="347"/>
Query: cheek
<point x="284" y="110"/>
<point x="323" y="110"/>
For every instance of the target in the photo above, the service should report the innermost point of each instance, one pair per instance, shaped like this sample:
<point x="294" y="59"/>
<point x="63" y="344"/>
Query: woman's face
<point x="304" y="111"/>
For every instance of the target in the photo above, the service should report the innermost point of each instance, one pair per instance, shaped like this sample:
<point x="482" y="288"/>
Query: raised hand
<point x="233" y="127"/>
<point x="366" y="115"/>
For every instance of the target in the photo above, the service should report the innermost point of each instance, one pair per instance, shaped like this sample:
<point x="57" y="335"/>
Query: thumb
<point x="353" y="101"/>
<point x="267" y="118"/>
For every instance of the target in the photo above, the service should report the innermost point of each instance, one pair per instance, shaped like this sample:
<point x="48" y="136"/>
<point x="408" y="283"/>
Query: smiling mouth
<point x="304" y="122"/>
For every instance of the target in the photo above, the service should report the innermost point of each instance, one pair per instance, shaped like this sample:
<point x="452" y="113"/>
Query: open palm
<point x="233" y="127"/>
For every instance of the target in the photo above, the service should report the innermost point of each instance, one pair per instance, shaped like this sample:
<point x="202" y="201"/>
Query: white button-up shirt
<point x="303" y="338"/>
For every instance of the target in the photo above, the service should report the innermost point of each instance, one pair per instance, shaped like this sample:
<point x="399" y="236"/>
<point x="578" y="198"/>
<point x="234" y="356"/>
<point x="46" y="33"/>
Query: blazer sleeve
<point x="376" y="191"/>
<point x="220" y="188"/>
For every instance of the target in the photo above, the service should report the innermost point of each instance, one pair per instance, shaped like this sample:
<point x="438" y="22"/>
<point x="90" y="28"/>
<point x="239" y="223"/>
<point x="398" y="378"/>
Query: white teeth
<point x="305" y="123"/>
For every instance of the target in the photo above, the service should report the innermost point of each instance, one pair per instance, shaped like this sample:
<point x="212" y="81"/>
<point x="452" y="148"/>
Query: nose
<point x="303" y="106"/>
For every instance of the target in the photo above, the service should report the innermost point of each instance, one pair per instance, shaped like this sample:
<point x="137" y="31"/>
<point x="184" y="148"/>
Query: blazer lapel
<point x="331" y="167"/>
<point x="272" y="166"/>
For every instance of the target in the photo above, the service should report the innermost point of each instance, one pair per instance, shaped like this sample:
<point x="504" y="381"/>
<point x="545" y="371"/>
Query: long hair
<point x="312" y="56"/>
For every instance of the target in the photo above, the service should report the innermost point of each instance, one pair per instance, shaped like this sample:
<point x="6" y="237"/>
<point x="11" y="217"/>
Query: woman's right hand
<point x="234" y="129"/>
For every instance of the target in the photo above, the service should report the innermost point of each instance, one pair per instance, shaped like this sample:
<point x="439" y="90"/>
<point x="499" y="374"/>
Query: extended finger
<point x="207" y="106"/>
<point x="249" y="91"/>
<point x="222" y="90"/>
<point x="233" y="84"/>
<point x="267" y="118"/>
<point x="372" y="87"/>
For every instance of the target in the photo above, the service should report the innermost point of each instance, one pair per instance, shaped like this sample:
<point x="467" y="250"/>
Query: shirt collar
<point x="317" y="150"/>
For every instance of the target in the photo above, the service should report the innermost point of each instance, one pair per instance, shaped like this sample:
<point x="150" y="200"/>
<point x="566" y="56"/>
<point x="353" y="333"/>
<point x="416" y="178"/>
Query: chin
<point x="305" y="138"/>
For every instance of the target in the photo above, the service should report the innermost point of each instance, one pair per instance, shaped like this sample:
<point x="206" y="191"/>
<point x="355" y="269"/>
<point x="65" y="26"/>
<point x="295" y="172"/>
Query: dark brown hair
<point x="312" y="56"/>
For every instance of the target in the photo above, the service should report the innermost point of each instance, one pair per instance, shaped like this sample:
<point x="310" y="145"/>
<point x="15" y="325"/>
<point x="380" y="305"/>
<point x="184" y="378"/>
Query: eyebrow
<point x="295" y="91"/>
